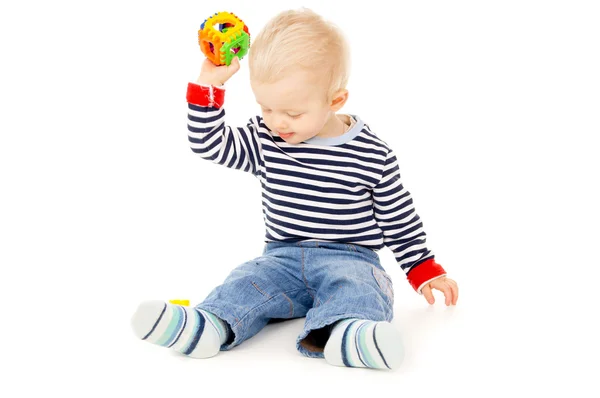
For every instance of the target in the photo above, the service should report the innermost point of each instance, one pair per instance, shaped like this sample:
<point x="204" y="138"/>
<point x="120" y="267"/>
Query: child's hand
<point x="213" y="75"/>
<point x="445" y="285"/>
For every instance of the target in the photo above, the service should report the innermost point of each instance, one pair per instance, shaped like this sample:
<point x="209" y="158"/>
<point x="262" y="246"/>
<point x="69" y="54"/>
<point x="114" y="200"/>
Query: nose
<point x="279" y="123"/>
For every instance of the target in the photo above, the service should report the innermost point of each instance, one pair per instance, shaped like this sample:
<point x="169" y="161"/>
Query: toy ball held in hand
<point x="222" y="37"/>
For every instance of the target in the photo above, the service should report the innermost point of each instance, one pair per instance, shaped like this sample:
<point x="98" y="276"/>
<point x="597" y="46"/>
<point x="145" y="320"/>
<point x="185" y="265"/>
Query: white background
<point x="492" y="108"/>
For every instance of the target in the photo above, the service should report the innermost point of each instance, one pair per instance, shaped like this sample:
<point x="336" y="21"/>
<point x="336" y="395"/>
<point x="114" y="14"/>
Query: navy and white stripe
<point x="350" y="192"/>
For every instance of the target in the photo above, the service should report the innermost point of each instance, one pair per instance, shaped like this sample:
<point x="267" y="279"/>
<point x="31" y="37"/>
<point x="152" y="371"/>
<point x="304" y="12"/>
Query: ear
<point x="339" y="100"/>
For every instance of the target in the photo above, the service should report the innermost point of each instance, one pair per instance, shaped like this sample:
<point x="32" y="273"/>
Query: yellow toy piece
<point x="180" y="302"/>
<point x="222" y="37"/>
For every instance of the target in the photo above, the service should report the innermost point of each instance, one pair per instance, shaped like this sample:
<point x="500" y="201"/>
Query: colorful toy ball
<point x="222" y="37"/>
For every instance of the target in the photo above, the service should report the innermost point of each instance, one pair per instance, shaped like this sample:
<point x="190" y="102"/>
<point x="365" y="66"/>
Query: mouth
<point x="285" y="135"/>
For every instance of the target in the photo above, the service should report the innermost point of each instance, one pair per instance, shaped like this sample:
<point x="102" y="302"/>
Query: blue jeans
<point x="324" y="282"/>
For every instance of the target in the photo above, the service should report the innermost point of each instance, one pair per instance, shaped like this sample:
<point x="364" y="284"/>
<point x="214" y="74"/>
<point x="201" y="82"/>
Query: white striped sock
<point x="196" y="333"/>
<point x="364" y="344"/>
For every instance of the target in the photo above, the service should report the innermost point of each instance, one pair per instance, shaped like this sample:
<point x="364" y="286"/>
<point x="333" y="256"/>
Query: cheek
<point x="314" y="123"/>
<point x="267" y="119"/>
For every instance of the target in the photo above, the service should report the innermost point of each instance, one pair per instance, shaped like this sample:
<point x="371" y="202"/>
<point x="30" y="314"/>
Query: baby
<point x="332" y="197"/>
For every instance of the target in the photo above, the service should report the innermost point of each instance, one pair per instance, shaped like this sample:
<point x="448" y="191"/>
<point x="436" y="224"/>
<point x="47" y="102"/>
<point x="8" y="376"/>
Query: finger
<point x="445" y="288"/>
<point x="227" y="71"/>
<point x="454" y="288"/>
<point x="235" y="65"/>
<point x="428" y="294"/>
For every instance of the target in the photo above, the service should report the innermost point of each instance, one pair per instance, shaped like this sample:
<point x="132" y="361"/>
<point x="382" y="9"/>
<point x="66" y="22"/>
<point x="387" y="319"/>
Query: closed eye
<point x="295" y="116"/>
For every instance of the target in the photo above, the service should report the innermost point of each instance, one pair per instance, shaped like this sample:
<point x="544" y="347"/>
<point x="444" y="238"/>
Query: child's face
<point x="294" y="107"/>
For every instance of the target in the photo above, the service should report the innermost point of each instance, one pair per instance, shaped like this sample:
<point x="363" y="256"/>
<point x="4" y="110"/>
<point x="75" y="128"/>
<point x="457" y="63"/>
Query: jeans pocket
<point x="385" y="283"/>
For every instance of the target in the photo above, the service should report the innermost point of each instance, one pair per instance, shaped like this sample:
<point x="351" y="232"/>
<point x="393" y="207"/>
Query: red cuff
<point x="205" y="95"/>
<point x="424" y="272"/>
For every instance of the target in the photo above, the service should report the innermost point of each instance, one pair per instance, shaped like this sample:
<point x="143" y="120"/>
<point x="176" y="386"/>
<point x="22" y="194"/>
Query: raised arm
<point x="209" y="136"/>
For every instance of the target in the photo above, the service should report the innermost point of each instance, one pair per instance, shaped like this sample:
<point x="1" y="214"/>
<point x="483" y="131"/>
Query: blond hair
<point x="301" y="39"/>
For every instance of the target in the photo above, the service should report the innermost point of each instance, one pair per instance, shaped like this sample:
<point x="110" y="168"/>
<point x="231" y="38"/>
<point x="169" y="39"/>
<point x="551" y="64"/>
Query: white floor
<point x="516" y="340"/>
<point x="501" y="340"/>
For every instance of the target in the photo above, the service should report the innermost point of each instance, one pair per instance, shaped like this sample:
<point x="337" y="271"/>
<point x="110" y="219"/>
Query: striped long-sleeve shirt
<point x="345" y="189"/>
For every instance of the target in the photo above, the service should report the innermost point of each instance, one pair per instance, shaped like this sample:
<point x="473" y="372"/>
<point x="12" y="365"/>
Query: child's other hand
<point x="214" y="75"/>
<point x="446" y="286"/>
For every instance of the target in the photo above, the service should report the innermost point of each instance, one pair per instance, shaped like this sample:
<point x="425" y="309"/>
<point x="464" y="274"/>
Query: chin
<point x="294" y="140"/>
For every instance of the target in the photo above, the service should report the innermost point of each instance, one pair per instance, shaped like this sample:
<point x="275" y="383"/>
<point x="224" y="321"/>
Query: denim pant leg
<point x="257" y="292"/>
<point x="348" y="282"/>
